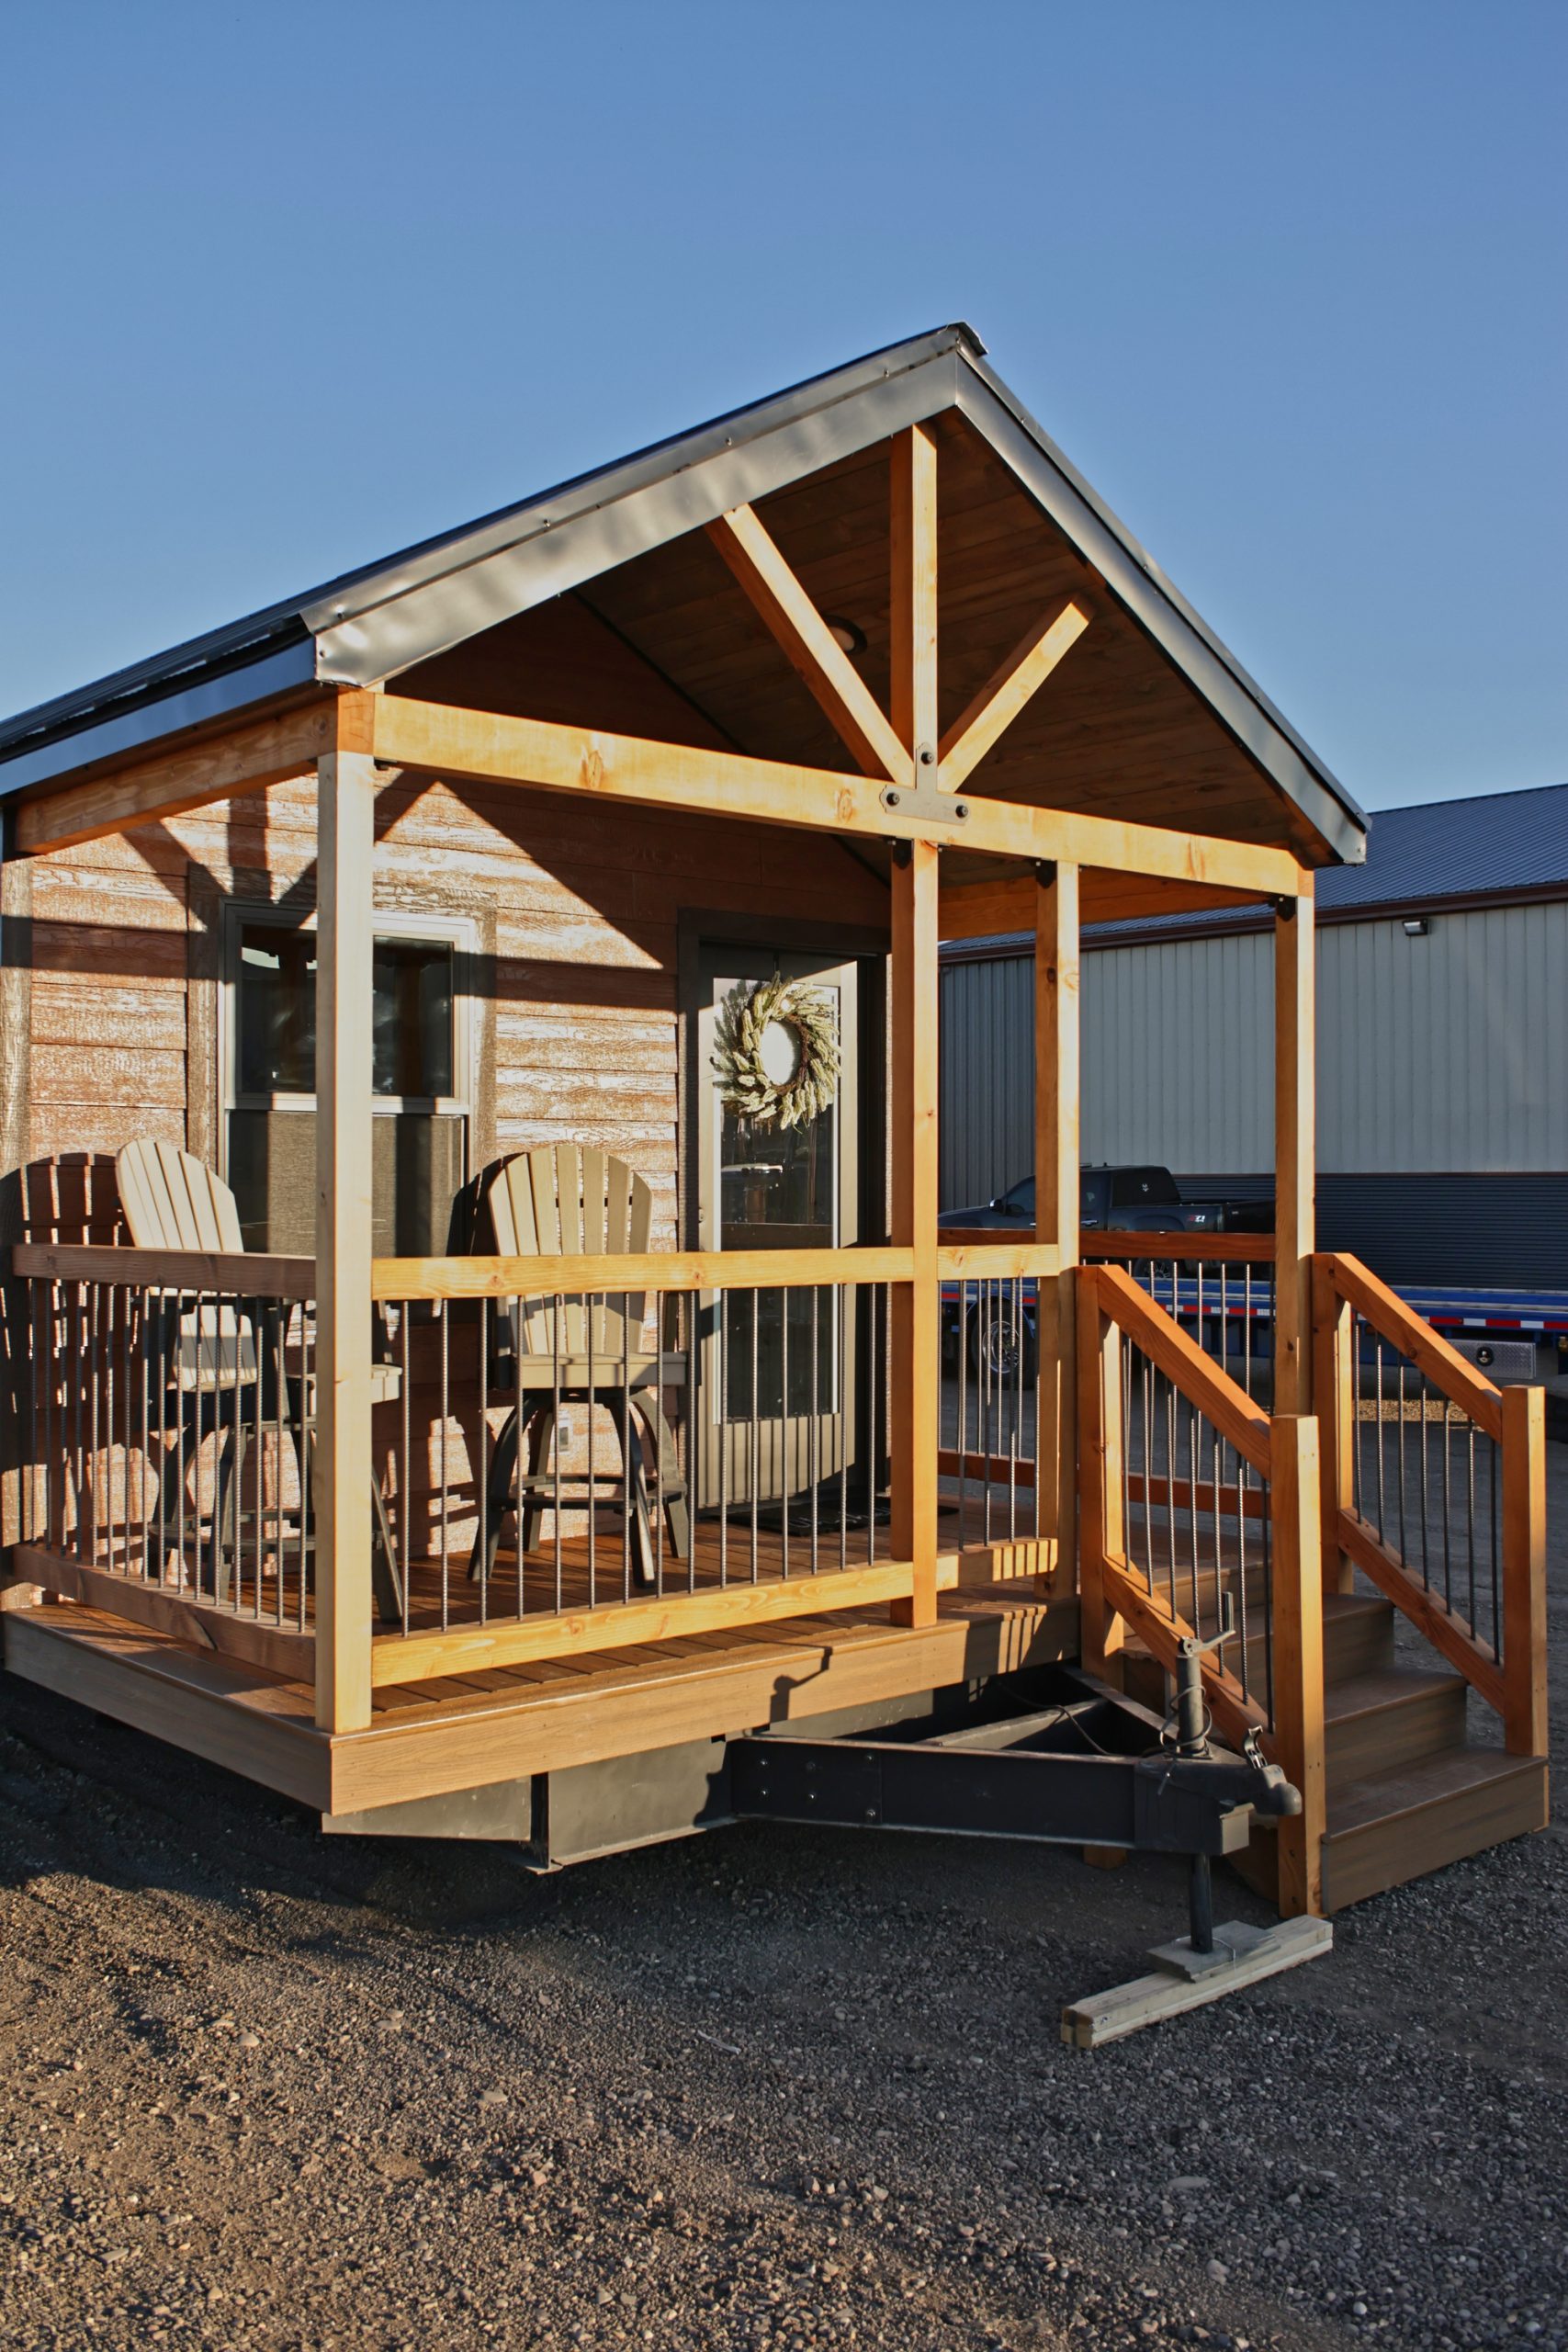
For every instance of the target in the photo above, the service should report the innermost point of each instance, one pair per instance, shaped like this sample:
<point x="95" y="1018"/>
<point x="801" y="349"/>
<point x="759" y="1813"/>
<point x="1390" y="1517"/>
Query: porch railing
<point x="167" y="1416"/>
<point x="1434" y="1488"/>
<point x="704" y="1444"/>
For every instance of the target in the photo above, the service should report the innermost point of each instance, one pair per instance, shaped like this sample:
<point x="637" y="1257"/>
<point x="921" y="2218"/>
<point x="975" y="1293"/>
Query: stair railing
<point x="1200" y="1517"/>
<point x="1433" y="1487"/>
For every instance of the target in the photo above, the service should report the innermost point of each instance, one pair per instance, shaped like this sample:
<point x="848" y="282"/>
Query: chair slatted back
<point x="571" y="1200"/>
<point x="173" y="1201"/>
<point x="170" y="1200"/>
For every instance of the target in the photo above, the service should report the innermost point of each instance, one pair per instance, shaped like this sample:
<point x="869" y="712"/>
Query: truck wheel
<point x="1000" y="1337"/>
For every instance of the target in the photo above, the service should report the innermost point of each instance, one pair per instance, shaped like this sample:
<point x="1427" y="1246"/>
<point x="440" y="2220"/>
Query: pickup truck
<point x="1127" y="1199"/>
<point x="1000" y="1325"/>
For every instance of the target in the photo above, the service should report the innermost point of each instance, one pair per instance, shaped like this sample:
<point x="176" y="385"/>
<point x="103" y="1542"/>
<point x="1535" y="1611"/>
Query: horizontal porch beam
<point x="979" y="910"/>
<point x="484" y="747"/>
<point x="267" y="751"/>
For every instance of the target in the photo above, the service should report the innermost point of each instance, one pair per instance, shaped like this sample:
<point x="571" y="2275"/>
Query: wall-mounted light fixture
<point x="1417" y="927"/>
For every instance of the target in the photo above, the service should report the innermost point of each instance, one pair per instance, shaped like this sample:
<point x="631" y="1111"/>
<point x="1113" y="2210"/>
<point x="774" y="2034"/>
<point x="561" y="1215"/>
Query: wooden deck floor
<point x="502" y="1723"/>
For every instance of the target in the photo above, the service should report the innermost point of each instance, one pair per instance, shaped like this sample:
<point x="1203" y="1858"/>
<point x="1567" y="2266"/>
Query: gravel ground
<point x="784" y="2088"/>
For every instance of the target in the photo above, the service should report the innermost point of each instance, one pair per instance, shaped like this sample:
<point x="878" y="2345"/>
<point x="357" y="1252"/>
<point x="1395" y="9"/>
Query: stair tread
<point x="1356" y="1604"/>
<point x="1382" y="1796"/>
<point x="1388" y="1686"/>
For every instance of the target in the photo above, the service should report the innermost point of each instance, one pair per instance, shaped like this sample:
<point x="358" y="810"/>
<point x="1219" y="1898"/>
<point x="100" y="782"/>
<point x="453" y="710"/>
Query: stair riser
<point x="1356" y="1645"/>
<point x="1384" y="1739"/>
<point x="1350" y="1646"/>
<point x="1363" y="1862"/>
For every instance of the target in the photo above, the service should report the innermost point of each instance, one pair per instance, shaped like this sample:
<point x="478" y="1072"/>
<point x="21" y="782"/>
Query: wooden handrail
<point x="1427" y="1350"/>
<point x="1215" y="1394"/>
<point x="239" y="1273"/>
<point x="982" y="1259"/>
<point x="655" y="1270"/>
<point x="259" y="1275"/>
<point x="1201" y="1248"/>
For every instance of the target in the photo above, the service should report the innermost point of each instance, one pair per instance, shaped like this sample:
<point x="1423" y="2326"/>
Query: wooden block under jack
<point x="1186" y="1979"/>
<point x="1105" y="1858"/>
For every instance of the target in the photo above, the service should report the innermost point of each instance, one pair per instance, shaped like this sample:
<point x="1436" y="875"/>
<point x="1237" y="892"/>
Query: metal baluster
<point x="814" y="1423"/>
<point x="628" y="1497"/>
<point x="756" y="1426"/>
<point x="557" y="1310"/>
<point x="1447" y="1509"/>
<point x="785" y="1458"/>
<point x="1425" y="1492"/>
<point x="723" y="1427"/>
<point x="441" y="1313"/>
<point x="482" y="1481"/>
<point x="592" y="1487"/>
<point x="405" y="1471"/>
<point x="1382" y="1449"/>
<point x="657" y="1501"/>
<point x="845" y="1404"/>
<point x="871" y="1450"/>
<point x="307" y="1463"/>
<point x="1468" y="1426"/>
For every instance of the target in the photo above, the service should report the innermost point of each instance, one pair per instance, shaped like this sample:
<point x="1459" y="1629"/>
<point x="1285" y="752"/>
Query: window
<point x="419" y="1077"/>
<point x="413" y="1016"/>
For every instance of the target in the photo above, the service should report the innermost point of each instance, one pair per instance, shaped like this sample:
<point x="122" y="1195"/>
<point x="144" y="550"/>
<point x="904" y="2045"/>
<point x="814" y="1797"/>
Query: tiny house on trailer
<point x="472" y="1318"/>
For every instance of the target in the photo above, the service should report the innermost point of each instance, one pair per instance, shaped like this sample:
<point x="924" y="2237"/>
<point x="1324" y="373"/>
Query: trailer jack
<point x="1094" y="1770"/>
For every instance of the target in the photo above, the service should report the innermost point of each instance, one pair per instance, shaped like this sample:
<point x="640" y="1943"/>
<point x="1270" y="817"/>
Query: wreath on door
<point x="776" y="1053"/>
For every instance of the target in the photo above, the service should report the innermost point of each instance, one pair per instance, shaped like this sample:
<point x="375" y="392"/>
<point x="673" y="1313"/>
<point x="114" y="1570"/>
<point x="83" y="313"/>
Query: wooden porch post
<point x="916" y="1366"/>
<point x="1057" y="1081"/>
<point x="1295" y="1150"/>
<point x="345" y="808"/>
<point x="1334" y="1395"/>
<point x="1294" y="1503"/>
<point x="1524" y="1571"/>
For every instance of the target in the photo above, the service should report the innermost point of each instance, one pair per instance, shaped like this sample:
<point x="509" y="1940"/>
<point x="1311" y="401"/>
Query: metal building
<point x="1442" y="1047"/>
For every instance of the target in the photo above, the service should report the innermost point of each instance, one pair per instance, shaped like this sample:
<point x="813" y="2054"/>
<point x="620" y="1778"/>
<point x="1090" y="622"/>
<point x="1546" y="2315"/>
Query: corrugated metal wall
<point x="1443" y="1054"/>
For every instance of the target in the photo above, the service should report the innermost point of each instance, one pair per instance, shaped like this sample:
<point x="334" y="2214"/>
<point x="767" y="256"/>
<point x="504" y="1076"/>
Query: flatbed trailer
<point x="1498" y="1329"/>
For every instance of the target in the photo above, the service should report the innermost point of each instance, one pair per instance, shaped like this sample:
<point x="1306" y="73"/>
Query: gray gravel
<point x="262" y="2089"/>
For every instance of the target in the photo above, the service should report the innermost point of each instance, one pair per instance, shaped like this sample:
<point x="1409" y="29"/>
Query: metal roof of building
<point x="370" y="624"/>
<point x="1491" y="846"/>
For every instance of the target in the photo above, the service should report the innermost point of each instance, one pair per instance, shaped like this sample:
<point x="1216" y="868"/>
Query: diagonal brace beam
<point x="814" y="653"/>
<point x="1004" y="694"/>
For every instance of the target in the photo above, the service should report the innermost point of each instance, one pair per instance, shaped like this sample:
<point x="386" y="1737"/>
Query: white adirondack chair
<point x="567" y="1199"/>
<point x="214" y="1351"/>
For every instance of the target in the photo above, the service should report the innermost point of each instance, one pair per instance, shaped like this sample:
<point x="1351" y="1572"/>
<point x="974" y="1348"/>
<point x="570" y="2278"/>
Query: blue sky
<point x="285" y="289"/>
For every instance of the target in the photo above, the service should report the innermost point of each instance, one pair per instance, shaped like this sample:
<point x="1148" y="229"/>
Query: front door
<point x="777" y="1385"/>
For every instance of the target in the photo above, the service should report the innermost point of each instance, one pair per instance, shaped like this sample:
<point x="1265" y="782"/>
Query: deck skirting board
<point x="257" y="1729"/>
<point x="664" y="1701"/>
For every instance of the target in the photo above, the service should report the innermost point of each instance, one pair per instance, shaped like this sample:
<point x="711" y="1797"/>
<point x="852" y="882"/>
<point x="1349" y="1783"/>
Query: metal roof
<point x="1492" y="846"/>
<point x="370" y="624"/>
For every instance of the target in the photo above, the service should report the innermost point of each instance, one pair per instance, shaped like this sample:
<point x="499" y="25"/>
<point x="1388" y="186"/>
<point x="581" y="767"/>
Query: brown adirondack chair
<point x="568" y="1199"/>
<point x="207" y="1352"/>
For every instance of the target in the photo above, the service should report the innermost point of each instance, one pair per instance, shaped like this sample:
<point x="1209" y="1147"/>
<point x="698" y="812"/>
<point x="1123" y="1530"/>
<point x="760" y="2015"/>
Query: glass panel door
<point x="777" y="1373"/>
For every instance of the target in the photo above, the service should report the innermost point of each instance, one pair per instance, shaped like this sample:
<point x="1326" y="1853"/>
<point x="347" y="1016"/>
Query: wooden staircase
<point x="1368" y="1582"/>
<point x="1408" y="1790"/>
